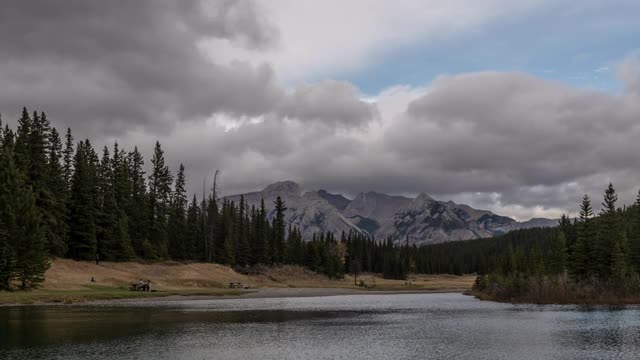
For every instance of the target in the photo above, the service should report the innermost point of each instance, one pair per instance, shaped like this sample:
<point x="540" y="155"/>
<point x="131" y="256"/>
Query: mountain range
<point x="419" y="220"/>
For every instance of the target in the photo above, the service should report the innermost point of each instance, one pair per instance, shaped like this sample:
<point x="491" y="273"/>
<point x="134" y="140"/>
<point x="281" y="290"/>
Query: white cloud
<point x="321" y="39"/>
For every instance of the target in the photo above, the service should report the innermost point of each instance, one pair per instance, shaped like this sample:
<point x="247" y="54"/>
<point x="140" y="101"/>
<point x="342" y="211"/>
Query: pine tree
<point x="159" y="198"/>
<point x="635" y="236"/>
<point x="138" y="207"/>
<point x="609" y="233"/>
<point x="113" y="241"/>
<point x="105" y="206"/>
<point x="214" y="228"/>
<point x="38" y="143"/>
<point x="279" y="231"/>
<point x="177" y="220"/>
<point x="242" y="244"/>
<point x="194" y="246"/>
<point x="82" y="207"/>
<point x="122" y="184"/>
<point x="68" y="159"/>
<point x="57" y="207"/>
<point x="619" y="267"/>
<point x="260" y="248"/>
<point x="8" y="140"/>
<point x="22" y="152"/>
<point x="558" y="259"/>
<point x="7" y="250"/>
<point x="23" y="255"/>
<point x="226" y="232"/>
<point x="122" y="189"/>
<point x="581" y="265"/>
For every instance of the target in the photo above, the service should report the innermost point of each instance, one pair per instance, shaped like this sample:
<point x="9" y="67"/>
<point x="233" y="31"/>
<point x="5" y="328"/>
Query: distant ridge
<point x="420" y="220"/>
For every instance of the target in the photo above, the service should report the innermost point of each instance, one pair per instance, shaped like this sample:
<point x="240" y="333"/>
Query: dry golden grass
<point x="67" y="274"/>
<point x="73" y="275"/>
<point x="70" y="281"/>
<point x="417" y="282"/>
<point x="90" y="293"/>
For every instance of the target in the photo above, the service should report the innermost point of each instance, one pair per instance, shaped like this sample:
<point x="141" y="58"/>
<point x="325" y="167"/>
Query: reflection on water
<point x="424" y="326"/>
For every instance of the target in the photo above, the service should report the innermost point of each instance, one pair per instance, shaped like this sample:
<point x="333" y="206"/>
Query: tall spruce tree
<point x="609" y="235"/>
<point x="177" y="220"/>
<point x="581" y="265"/>
<point x="226" y="234"/>
<point x="138" y="207"/>
<point x="68" y="158"/>
<point x="260" y="246"/>
<point x="82" y="207"/>
<point x="23" y="255"/>
<point x="194" y="232"/>
<point x="22" y="151"/>
<point x="56" y="209"/>
<point x="279" y="231"/>
<point x="160" y="182"/>
<point x="214" y="228"/>
<point x="242" y="244"/>
<point x="557" y="261"/>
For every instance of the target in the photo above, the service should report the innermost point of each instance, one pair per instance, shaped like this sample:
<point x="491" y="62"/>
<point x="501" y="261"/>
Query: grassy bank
<point x="555" y="290"/>
<point x="92" y="293"/>
<point x="69" y="281"/>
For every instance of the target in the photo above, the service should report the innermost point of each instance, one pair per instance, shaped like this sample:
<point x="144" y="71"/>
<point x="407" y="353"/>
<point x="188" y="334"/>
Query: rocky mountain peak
<point x="419" y="220"/>
<point x="340" y="202"/>
<point x="422" y="201"/>
<point x="287" y="187"/>
<point x="375" y="206"/>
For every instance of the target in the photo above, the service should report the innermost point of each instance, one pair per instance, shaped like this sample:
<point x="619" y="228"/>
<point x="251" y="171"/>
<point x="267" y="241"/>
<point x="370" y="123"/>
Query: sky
<point x="519" y="107"/>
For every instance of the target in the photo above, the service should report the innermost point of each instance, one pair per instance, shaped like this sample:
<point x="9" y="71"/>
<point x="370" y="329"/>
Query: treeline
<point x="529" y="248"/>
<point x="61" y="198"/>
<point x="594" y="258"/>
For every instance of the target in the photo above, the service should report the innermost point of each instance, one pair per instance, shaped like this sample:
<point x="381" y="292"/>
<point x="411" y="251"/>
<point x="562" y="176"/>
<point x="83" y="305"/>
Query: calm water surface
<point x="420" y="326"/>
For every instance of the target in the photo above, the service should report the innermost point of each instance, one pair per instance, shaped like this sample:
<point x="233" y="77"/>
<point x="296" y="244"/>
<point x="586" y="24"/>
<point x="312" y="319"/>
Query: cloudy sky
<point x="519" y="107"/>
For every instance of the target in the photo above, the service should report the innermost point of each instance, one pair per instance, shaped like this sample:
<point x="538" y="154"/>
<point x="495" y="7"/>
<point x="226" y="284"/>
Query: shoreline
<point x="257" y="293"/>
<point x="276" y="293"/>
<point x="616" y="302"/>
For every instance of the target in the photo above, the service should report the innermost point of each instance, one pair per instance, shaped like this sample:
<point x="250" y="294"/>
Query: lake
<point x="403" y="326"/>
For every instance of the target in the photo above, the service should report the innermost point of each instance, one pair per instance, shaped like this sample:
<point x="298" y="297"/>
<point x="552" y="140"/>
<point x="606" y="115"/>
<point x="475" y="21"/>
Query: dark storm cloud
<point x="114" y="65"/>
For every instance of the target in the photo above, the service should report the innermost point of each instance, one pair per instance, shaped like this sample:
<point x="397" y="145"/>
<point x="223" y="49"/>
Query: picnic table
<point x="141" y="286"/>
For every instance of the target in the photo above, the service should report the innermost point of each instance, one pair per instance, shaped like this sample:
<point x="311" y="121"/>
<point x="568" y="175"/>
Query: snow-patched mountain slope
<point x="427" y="220"/>
<point x="306" y="210"/>
<point x="422" y="220"/>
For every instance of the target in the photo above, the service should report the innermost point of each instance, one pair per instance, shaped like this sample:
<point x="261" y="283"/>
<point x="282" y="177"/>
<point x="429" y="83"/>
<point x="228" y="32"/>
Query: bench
<point x="233" y="285"/>
<point x="140" y="287"/>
